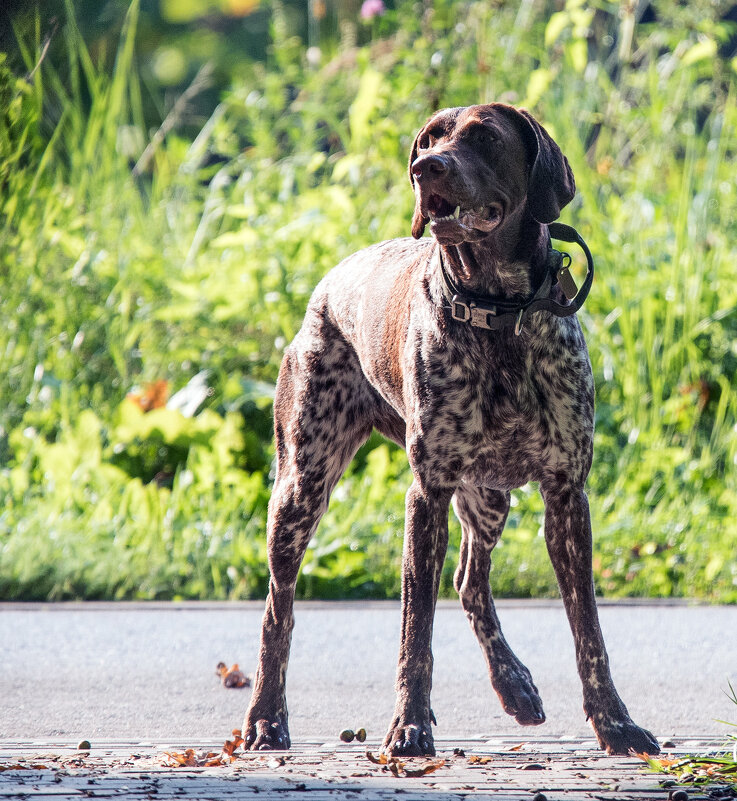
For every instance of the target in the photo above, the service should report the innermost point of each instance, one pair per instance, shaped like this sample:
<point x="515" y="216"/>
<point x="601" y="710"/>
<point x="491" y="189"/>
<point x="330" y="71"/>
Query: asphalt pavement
<point x="114" y="672"/>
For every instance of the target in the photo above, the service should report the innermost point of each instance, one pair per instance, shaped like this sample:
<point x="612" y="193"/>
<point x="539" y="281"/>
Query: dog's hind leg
<point x="483" y="512"/>
<point x="320" y="420"/>
<point x="568" y="537"/>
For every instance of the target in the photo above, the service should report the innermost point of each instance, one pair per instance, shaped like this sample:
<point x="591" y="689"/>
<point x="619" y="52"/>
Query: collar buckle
<point x="482" y="317"/>
<point x="477" y="314"/>
<point x="459" y="309"/>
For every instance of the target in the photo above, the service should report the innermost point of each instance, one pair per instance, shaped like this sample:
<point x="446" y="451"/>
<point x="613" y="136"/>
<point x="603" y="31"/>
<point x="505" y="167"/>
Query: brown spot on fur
<point x="396" y="324"/>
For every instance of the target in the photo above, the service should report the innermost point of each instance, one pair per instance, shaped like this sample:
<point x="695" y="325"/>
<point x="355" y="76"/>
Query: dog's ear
<point x="551" y="185"/>
<point x="419" y="221"/>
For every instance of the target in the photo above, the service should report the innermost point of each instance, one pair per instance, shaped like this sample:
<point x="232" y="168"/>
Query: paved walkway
<point x="133" y="672"/>
<point x="128" y="676"/>
<point x="502" y="769"/>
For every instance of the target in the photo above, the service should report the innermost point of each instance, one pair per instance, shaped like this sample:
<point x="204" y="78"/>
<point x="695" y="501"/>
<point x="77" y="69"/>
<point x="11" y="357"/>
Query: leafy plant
<point x="200" y="262"/>
<point x="720" y="769"/>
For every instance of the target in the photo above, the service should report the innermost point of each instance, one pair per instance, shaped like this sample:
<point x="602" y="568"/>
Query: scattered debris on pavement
<point x="501" y="769"/>
<point x="232" y="677"/>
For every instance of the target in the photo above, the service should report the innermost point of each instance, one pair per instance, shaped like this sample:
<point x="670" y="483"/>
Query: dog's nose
<point x="430" y="165"/>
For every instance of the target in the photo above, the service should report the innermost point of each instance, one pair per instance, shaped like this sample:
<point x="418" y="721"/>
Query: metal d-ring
<point x="518" y="324"/>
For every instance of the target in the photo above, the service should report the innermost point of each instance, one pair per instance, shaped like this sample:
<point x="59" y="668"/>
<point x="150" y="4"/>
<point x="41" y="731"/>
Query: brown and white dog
<point x="481" y="409"/>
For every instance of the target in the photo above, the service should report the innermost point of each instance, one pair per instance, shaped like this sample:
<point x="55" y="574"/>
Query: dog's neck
<point x="510" y="263"/>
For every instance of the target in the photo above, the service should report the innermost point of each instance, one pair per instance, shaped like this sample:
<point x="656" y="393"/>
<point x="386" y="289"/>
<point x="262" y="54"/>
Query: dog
<point x="463" y="348"/>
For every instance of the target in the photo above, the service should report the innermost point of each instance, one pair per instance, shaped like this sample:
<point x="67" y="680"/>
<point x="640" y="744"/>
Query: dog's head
<point x="472" y="167"/>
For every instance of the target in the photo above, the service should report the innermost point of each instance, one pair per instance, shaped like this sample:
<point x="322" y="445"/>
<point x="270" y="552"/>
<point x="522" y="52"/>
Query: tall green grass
<point x="112" y="280"/>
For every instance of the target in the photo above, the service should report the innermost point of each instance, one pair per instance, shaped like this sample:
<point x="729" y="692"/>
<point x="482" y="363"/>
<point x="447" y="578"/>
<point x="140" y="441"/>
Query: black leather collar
<point x="483" y="311"/>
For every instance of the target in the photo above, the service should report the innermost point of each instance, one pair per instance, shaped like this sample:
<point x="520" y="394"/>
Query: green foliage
<point x="202" y="266"/>
<point x="717" y="772"/>
<point x="76" y="525"/>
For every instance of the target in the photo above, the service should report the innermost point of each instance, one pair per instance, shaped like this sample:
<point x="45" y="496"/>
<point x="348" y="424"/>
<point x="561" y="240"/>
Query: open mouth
<point x="443" y="212"/>
<point x="440" y="209"/>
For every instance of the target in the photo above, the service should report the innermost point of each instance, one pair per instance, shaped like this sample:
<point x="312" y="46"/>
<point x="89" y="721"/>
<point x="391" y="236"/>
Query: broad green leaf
<point x="538" y="83"/>
<point x="365" y="104"/>
<point x="706" y="48"/>
<point x="578" y="52"/>
<point x="557" y="23"/>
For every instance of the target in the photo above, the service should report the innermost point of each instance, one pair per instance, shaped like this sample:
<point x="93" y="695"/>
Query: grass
<point x="715" y="771"/>
<point x="199" y="268"/>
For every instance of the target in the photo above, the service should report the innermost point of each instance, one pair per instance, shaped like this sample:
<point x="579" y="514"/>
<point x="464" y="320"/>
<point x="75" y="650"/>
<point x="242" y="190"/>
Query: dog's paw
<point x="518" y="695"/>
<point x="623" y="736"/>
<point x="266" y="735"/>
<point x="409" y="740"/>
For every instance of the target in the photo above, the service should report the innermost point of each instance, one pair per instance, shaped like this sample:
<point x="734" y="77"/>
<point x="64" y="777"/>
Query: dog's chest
<point x="509" y="410"/>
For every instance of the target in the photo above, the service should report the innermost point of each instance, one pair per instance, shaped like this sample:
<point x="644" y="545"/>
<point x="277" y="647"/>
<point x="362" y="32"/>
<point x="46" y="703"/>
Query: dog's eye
<point x="427" y="140"/>
<point x="483" y="135"/>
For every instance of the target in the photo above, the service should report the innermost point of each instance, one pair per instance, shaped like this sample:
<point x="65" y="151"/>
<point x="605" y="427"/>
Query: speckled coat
<point x="479" y="412"/>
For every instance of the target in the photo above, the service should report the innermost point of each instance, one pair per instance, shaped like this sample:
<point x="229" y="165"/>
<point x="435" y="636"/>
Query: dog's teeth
<point x="457" y="212"/>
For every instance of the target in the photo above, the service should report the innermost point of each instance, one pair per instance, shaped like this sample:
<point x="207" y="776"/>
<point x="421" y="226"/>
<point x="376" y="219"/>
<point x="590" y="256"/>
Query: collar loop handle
<point x="566" y="233"/>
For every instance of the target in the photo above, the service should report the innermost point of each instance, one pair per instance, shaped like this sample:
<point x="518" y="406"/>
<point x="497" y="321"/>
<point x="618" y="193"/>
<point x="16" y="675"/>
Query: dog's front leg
<point x="568" y="537"/>
<point x="425" y="543"/>
<point x="483" y="512"/>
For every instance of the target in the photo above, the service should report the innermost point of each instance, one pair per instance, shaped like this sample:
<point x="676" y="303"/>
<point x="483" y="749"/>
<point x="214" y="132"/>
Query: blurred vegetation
<point x="176" y="177"/>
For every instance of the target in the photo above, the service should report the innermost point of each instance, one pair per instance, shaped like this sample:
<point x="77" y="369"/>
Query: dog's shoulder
<point x="375" y="280"/>
<point x="379" y="263"/>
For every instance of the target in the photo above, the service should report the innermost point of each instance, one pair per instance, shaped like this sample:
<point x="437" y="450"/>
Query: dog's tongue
<point x="439" y="206"/>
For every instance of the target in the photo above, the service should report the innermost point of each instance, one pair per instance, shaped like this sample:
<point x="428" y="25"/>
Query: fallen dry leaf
<point x="231" y="745"/>
<point x="428" y="767"/>
<point x="474" y="759"/>
<point x="75" y="762"/>
<point x="177" y="760"/>
<point x="399" y="767"/>
<point x="18" y="766"/>
<point x="665" y="762"/>
<point x="233" y="677"/>
<point x="205" y="759"/>
<point x="517" y="747"/>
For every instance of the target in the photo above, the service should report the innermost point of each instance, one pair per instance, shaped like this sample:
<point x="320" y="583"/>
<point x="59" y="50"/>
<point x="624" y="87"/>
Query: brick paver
<point x="504" y="769"/>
